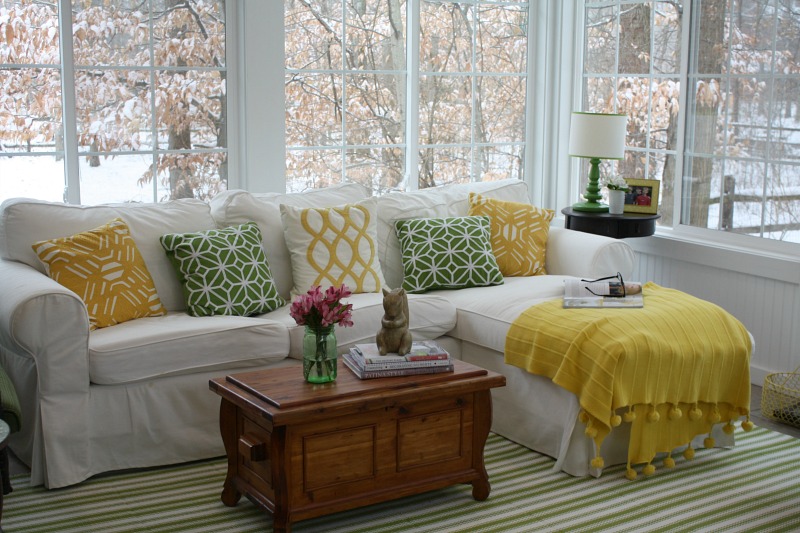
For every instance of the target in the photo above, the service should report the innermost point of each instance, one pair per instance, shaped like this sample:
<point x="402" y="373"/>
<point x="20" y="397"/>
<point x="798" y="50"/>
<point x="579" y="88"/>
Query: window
<point x="133" y="108"/>
<point x="735" y="132"/>
<point x="362" y="108"/>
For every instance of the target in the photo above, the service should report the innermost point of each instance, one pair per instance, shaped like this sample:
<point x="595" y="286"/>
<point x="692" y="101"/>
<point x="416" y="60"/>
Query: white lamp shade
<point x="597" y="135"/>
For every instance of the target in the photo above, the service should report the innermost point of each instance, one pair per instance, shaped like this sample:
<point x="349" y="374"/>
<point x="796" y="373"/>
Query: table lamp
<point x="596" y="136"/>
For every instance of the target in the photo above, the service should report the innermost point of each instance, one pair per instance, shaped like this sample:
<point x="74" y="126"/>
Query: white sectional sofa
<point x="136" y="394"/>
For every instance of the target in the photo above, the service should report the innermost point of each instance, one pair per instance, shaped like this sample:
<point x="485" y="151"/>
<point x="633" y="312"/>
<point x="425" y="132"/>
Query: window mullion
<point x="72" y="189"/>
<point x="412" y="98"/>
<point x="686" y="86"/>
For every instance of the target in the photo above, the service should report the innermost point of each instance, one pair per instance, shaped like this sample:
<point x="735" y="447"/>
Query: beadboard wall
<point x="761" y="290"/>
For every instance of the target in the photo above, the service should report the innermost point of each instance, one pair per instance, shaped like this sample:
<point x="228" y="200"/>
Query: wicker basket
<point x="780" y="397"/>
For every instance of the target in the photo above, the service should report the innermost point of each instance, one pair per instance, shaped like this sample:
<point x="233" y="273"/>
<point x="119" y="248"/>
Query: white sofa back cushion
<point x="234" y="207"/>
<point x="437" y="202"/>
<point x="24" y="221"/>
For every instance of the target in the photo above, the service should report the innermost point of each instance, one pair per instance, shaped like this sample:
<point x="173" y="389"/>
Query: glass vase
<point x="319" y="354"/>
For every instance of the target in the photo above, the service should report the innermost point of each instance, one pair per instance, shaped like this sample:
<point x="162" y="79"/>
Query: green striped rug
<point x="752" y="487"/>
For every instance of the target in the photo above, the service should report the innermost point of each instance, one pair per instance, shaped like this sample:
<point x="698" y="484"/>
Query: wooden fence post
<point x="728" y="194"/>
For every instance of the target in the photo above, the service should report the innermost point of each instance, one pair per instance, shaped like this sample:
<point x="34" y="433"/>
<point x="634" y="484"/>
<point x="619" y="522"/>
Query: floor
<point x="17" y="467"/>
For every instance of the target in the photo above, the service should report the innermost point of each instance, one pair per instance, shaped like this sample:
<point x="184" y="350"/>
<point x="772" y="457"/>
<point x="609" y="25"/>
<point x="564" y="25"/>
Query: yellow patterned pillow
<point x="104" y="267"/>
<point x="519" y="233"/>
<point x="335" y="245"/>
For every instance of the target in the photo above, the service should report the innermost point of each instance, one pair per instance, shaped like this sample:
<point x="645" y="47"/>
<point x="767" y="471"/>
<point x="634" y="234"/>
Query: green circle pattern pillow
<point x="223" y="271"/>
<point x="447" y="253"/>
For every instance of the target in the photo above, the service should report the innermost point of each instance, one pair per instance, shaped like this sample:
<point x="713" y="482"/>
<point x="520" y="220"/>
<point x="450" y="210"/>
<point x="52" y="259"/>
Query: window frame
<point x="679" y="230"/>
<point x="71" y="150"/>
<point x="412" y="72"/>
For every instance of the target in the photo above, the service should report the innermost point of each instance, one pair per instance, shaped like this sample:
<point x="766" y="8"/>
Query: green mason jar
<point x="319" y="354"/>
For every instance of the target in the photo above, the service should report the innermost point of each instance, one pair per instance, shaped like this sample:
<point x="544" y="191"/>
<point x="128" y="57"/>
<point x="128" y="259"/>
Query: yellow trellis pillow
<point x="333" y="246"/>
<point x="519" y="233"/>
<point x="104" y="267"/>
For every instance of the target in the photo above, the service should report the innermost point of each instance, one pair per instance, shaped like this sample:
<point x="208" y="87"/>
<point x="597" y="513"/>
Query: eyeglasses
<point x="615" y="290"/>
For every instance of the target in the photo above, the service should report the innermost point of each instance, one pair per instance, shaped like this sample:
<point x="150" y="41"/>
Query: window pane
<point x="502" y="38"/>
<point x="598" y="95"/>
<point x="313" y="34"/>
<point x="634" y="39"/>
<point x="188" y="33"/>
<point x="30" y="110"/>
<point x="501" y="162"/>
<point x="313" y="110"/>
<point x="375" y="34"/>
<point x="440" y="166"/>
<point x="191" y="110"/>
<point x="374" y="116"/>
<point x="119" y="178"/>
<point x="30" y="33"/>
<point x="311" y="169"/>
<point x="28" y="176"/>
<point x="665" y="102"/>
<point x="633" y="99"/>
<point x="199" y="175"/>
<point x="445" y="114"/>
<point x="445" y="43"/>
<point x="108" y="122"/>
<point x="667" y="38"/>
<point x="380" y="170"/>
<point x="111" y="34"/>
<point x="500" y="115"/>
<point x="601" y="39"/>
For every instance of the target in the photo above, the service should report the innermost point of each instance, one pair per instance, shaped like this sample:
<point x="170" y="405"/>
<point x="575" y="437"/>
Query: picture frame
<point x="642" y="196"/>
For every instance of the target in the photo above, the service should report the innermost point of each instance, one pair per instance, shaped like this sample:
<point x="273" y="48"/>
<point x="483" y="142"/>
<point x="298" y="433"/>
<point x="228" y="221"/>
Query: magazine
<point x="394" y="361"/>
<point x="362" y="373"/>
<point x="420" y="351"/>
<point x="581" y="294"/>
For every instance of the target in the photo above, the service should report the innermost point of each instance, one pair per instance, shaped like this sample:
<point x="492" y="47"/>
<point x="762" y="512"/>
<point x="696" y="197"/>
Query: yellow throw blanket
<point x="679" y="365"/>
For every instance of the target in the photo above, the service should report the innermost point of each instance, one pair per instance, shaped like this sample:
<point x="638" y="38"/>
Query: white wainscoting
<point x="763" y="291"/>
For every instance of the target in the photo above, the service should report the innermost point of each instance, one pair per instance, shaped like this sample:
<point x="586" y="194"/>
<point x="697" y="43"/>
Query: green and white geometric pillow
<point x="447" y="253"/>
<point x="223" y="271"/>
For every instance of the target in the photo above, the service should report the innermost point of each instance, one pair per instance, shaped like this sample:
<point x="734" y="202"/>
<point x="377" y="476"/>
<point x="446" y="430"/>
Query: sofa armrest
<point x="43" y="320"/>
<point x="584" y="255"/>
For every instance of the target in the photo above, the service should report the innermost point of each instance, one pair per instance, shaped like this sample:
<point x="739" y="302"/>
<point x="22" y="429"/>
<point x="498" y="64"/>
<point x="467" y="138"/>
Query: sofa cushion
<point x="430" y="317"/>
<point x="446" y="201"/>
<point x="486" y="313"/>
<point x="234" y="207"/>
<point x="223" y="271"/>
<point x="24" y="222"/>
<point x="180" y="344"/>
<point x="105" y="268"/>
<point x="519" y="233"/>
<point x="447" y="253"/>
<point x="333" y="246"/>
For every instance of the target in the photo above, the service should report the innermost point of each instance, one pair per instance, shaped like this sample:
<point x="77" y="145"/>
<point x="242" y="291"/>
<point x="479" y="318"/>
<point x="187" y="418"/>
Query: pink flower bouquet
<point x="316" y="309"/>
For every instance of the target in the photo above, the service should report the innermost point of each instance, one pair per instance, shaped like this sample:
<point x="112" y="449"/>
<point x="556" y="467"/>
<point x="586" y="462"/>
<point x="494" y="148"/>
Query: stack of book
<point x="425" y="357"/>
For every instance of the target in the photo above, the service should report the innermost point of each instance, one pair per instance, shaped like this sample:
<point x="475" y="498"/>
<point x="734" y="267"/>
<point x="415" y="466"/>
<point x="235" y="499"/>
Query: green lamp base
<point x="592" y="207"/>
<point x="592" y="194"/>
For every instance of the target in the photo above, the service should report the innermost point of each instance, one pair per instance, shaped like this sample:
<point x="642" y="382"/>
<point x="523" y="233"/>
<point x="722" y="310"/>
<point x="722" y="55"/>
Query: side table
<point x="616" y="226"/>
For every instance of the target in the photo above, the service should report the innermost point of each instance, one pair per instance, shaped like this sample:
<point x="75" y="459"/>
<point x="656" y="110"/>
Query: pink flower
<point x="317" y="309"/>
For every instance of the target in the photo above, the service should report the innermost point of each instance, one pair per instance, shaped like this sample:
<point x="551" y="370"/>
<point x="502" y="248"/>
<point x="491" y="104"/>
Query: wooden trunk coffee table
<point x="301" y="450"/>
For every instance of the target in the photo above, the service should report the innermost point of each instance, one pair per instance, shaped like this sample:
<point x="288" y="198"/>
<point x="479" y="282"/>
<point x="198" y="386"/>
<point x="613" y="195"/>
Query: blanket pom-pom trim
<point x="747" y="425"/>
<point x="695" y="413"/>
